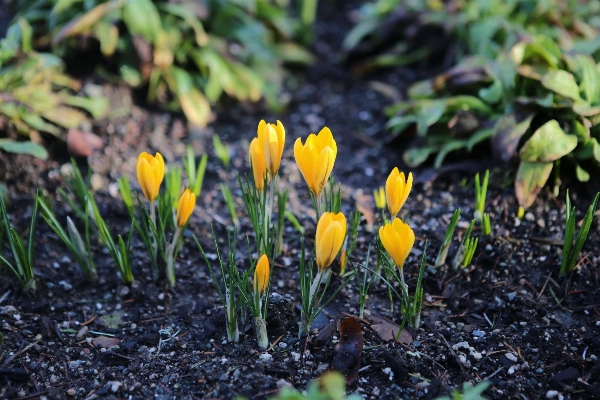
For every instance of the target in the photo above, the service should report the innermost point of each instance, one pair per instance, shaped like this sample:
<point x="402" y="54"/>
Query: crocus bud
<point x="150" y="173"/>
<point x="185" y="206"/>
<point x="272" y="139"/>
<point x="315" y="159"/>
<point x="398" y="239"/>
<point x="397" y="189"/>
<point x="379" y="196"/>
<point x="258" y="163"/>
<point x="331" y="231"/>
<point x="261" y="275"/>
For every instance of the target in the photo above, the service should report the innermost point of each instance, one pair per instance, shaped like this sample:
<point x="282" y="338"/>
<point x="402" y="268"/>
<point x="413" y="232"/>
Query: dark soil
<point x="509" y="319"/>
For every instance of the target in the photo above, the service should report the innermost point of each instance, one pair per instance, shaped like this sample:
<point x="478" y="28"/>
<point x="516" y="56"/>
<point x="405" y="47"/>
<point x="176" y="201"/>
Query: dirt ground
<point x="509" y="319"/>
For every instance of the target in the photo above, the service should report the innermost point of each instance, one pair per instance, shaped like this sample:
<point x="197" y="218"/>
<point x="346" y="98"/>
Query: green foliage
<point x="530" y="85"/>
<point x="186" y="54"/>
<point x="330" y="386"/>
<point x="35" y="95"/>
<point x="468" y="392"/>
<point x="23" y="256"/>
<point x="572" y="249"/>
<point x="443" y="253"/>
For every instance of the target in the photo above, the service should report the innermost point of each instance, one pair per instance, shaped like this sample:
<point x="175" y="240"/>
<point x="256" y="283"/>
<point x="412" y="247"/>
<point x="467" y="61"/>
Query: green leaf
<point x="507" y="134"/>
<point x="428" y="113"/>
<point x="142" y="18"/>
<point x="28" y="147"/>
<point x="561" y="82"/>
<point x="531" y="177"/>
<point x="480" y="136"/>
<point x="548" y="143"/>
<point x="97" y="106"/>
<point x="418" y="155"/>
<point x="493" y="93"/>
<point x="399" y="124"/>
<point x="582" y="175"/>
<point x="590" y="84"/>
<point x="447" y="148"/>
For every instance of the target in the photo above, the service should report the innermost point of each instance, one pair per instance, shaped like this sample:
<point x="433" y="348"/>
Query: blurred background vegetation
<point x="184" y="55"/>
<point x="520" y="76"/>
<point x="516" y="77"/>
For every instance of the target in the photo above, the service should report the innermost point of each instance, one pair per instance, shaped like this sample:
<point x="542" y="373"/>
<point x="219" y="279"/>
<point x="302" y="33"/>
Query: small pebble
<point x="265" y="357"/>
<point x="478" y="333"/>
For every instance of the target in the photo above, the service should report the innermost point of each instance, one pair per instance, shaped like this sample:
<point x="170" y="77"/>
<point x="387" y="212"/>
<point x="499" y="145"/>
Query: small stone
<point x="511" y="357"/>
<point x="71" y="392"/>
<point x="541" y="223"/>
<point x="265" y="357"/>
<point x="82" y="333"/>
<point x="115" y="386"/>
<point x="552" y="394"/>
<point x="529" y="217"/>
<point x="511" y="296"/>
<point x="478" y="333"/>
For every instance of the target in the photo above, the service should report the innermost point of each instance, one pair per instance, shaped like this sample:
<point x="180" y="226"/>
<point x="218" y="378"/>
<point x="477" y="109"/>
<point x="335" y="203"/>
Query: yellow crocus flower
<point x="331" y="231"/>
<point x="261" y="275"/>
<point x="150" y="172"/>
<point x="379" y="196"/>
<point x="315" y="159"/>
<point x="185" y="207"/>
<point x="258" y="163"/>
<point x="272" y="139"/>
<point x="397" y="189"/>
<point x="398" y="239"/>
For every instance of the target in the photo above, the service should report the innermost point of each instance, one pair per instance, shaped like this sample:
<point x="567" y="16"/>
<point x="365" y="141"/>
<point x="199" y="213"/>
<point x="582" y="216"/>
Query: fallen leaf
<point x="105" y="342"/>
<point x="348" y="350"/>
<point x="388" y="330"/>
<point x="82" y="144"/>
<point x="365" y="205"/>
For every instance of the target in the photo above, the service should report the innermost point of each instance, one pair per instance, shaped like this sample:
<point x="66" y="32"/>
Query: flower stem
<point x="170" y="271"/>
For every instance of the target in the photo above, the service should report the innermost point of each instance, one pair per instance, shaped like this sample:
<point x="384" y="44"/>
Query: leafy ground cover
<point x="509" y="319"/>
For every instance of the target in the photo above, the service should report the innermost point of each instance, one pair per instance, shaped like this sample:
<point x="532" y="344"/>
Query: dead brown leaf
<point x="105" y="342"/>
<point x="349" y="350"/>
<point x="388" y="330"/>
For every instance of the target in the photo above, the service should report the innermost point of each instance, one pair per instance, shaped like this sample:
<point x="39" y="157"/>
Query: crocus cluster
<point x="150" y="173"/>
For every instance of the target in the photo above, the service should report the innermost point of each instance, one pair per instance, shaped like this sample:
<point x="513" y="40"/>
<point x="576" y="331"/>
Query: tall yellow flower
<point x="261" y="275"/>
<point x="272" y="139"/>
<point x="258" y="163"/>
<point x="331" y="231"/>
<point x="150" y="173"/>
<point x="315" y="159"/>
<point x="397" y="189"/>
<point x="398" y="239"/>
<point x="185" y="207"/>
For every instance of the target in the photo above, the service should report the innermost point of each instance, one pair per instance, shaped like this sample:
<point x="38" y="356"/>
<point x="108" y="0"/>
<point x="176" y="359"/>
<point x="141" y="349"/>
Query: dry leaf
<point x="106" y="342"/>
<point x="365" y="204"/>
<point x="82" y="144"/>
<point x="388" y="330"/>
<point x="348" y="350"/>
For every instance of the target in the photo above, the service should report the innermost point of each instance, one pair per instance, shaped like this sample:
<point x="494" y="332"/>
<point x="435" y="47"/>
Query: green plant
<point x="23" y="257"/>
<point x="528" y="86"/>
<point x="330" y="386"/>
<point x="227" y="282"/>
<point x="221" y="151"/>
<point x="195" y="175"/>
<point x="35" y="95"/>
<point x="468" y="392"/>
<point x="186" y="54"/>
<point x="364" y="285"/>
<point x="71" y="237"/>
<point x="312" y="297"/>
<point x="464" y="253"/>
<point x="572" y="249"/>
<point x="443" y="253"/>
<point x="226" y="191"/>
<point x="410" y="307"/>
